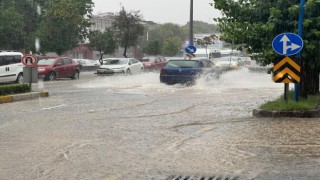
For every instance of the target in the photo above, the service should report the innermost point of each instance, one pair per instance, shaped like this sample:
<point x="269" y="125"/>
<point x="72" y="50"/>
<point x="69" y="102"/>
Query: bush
<point x="14" y="89"/>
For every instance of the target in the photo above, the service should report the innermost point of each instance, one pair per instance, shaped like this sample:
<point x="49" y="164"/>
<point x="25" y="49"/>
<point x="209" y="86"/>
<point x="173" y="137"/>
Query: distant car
<point x="125" y="66"/>
<point x="245" y="61"/>
<point x="50" y="68"/>
<point x="87" y="64"/>
<point x="260" y="67"/>
<point x="153" y="63"/>
<point x="187" y="71"/>
<point x="231" y="62"/>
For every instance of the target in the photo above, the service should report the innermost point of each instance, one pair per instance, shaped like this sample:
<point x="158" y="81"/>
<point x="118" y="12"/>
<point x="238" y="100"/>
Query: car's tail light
<point x="163" y="71"/>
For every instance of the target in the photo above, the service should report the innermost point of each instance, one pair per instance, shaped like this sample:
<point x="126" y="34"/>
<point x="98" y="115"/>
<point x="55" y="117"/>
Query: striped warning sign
<point x="286" y="71"/>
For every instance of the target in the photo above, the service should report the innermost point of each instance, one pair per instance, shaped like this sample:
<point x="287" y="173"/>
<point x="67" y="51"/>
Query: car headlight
<point x="41" y="69"/>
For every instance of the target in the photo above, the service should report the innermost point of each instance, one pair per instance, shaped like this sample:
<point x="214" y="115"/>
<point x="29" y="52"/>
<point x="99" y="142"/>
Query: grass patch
<point x="303" y="104"/>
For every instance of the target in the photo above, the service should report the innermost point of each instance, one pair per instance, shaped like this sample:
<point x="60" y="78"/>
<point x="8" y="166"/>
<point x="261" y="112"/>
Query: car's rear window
<point x="182" y="64"/>
<point x="45" y="61"/>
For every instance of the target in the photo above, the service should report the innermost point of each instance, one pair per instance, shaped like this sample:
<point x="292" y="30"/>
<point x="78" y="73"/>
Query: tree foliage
<point x="164" y="35"/>
<point x="152" y="47"/>
<point x="64" y="25"/>
<point x="255" y="23"/>
<point x="200" y="27"/>
<point x="129" y="28"/>
<point x="171" y="46"/>
<point x="11" y="29"/>
<point x="60" y="25"/>
<point x="104" y="42"/>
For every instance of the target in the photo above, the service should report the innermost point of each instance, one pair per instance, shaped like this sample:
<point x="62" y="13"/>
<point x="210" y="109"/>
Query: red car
<point x="153" y="63"/>
<point x="50" y="68"/>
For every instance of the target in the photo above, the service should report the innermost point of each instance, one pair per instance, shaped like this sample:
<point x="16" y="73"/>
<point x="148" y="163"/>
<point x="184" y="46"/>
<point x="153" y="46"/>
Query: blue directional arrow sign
<point x="190" y="49"/>
<point x="287" y="44"/>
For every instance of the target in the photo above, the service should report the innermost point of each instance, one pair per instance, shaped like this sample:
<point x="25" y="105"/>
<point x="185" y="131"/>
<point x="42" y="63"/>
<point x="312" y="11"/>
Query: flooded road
<point x="134" y="127"/>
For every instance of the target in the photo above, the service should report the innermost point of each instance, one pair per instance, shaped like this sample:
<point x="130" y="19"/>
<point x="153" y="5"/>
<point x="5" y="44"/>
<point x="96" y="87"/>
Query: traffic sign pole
<point x="300" y="29"/>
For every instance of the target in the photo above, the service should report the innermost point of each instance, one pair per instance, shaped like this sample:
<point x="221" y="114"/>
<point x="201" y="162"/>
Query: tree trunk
<point x="125" y="52"/>
<point x="310" y="79"/>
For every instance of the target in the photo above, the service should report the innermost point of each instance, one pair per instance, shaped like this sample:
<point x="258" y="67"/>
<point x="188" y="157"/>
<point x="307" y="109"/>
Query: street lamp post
<point x="300" y="30"/>
<point x="191" y="24"/>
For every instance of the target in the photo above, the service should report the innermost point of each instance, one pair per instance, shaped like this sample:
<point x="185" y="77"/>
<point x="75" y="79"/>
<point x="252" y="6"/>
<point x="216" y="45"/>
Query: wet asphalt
<point x="134" y="127"/>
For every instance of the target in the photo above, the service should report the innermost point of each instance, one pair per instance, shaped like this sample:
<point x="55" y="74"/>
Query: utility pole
<point x="300" y="29"/>
<point x="191" y="24"/>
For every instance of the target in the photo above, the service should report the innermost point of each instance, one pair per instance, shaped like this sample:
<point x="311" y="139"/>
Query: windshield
<point x="115" y="62"/>
<point x="46" y="61"/>
<point x="182" y="64"/>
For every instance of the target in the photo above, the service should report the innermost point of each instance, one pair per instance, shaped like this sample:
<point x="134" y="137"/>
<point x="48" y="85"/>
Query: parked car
<point x="87" y="64"/>
<point x="124" y="66"/>
<point x="11" y="68"/>
<point x="187" y="71"/>
<point x="50" y="68"/>
<point x="153" y="63"/>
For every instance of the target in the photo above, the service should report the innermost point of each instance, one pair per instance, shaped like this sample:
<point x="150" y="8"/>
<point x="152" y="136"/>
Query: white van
<point x="11" y="68"/>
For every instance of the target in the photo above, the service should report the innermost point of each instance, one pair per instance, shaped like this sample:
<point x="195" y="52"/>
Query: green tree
<point x="200" y="27"/>
<point x="11" y="29"/>
<point x="64" y="24"/>
<point x="104" y="42"/>
<point x="255" y="23"/>
<point x="152" y="47"/>
<point x="164" y="33"/>
<point x="129" y="28"/>
<point x="171" y="46"/>
<point x="167" y="31"/>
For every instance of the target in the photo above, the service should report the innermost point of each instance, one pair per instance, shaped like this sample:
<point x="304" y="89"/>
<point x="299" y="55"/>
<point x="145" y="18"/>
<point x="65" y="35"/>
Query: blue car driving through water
<point x="187" y="71"/>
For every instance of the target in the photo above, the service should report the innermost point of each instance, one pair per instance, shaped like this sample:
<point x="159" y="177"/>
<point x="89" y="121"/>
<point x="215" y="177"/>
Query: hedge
<point x="14" y="89"/>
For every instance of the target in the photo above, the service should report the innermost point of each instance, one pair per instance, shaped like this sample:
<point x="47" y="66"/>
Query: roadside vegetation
<point x="14" y="89"/>
<point x="254" y="24"/>
<point x="310" y="103"/>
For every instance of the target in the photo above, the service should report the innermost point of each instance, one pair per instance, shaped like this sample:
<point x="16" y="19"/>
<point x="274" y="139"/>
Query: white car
<point x="227" y="62"/>
<point x="124" y="66"/>
<point x="87" y="64"/>
<point x="11" y="68"/>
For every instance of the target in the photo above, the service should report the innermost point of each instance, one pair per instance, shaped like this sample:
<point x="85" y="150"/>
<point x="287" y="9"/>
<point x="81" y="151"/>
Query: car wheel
<point x="51" y="76"/>
<point x="20" y="79"/>
<point x="76" y="75"/>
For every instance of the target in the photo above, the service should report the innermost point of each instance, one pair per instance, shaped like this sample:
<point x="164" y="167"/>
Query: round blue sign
<point x="287" y="44"/>
<point x="190" y="49"/>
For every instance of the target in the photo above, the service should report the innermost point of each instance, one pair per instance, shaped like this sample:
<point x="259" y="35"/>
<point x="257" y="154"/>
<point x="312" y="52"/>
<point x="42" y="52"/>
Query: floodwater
<point x="134" y="127"/>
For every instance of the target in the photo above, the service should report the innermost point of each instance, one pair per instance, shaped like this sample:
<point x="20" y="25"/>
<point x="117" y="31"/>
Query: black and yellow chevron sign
<point x="286" y="71"/>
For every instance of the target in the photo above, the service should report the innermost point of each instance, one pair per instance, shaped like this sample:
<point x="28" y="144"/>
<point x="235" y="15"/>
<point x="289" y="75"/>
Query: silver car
<point x="125" y="66"/>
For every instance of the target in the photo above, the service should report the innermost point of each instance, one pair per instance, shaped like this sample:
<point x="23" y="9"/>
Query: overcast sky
<point x="162" y="11"/>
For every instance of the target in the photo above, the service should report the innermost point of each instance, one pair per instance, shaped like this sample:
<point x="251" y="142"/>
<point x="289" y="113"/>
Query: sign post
<point x="287" y="71"/>
<point x="300" y="28"/>
<point x="30" y="71"/>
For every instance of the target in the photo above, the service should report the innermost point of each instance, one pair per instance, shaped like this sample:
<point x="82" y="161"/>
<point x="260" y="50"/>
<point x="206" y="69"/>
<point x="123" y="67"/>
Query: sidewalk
<point x="298" y="113"/>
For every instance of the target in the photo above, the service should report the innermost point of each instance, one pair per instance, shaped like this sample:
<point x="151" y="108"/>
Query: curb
<point x="298" y="113"/>
<point x="21" y="97"/>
